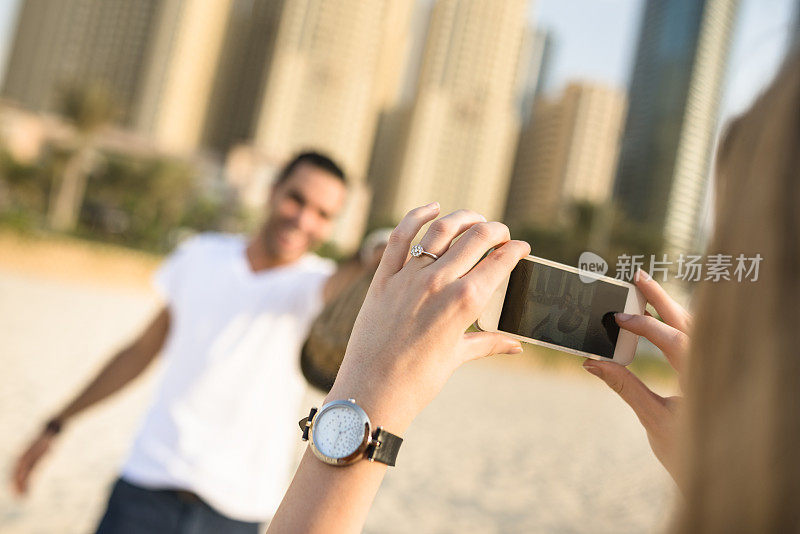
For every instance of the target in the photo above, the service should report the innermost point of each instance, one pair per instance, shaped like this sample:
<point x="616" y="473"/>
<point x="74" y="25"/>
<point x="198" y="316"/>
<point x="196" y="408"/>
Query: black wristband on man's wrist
<point x="54" y="426"/>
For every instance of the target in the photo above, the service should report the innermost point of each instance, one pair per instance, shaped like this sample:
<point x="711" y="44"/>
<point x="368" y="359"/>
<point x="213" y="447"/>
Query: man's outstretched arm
<point x="126" y="365"/>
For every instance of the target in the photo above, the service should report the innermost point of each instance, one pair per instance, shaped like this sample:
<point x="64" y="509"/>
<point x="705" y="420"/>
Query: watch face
<point x="339" y="430"/>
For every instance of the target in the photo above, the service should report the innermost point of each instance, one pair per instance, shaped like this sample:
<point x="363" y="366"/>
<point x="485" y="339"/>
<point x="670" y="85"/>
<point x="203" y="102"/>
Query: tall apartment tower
<point x="246" y="55"/>
<point x="182" y="62"/>
<point x="538" y="50"/>
<point x="455" y="142"/>
<point x="57" y="44"/>
<point x="567" y="154"/>
<point x="663" y="175"/>
<point x="157" y="59"/>
<point x="333" y="68"/>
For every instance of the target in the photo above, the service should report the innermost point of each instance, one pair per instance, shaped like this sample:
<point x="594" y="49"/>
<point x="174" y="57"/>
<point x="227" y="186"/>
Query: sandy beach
<point x="507" y="447"/>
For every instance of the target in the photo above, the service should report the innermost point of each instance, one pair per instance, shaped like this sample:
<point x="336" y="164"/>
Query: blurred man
<point x="215" y="448"/>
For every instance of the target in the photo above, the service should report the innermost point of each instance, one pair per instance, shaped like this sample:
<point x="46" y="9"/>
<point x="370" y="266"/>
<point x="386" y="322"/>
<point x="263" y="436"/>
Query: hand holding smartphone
<point x="561" y="307"/>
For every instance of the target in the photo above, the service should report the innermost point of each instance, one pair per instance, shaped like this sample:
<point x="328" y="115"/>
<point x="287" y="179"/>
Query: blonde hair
<point x="741" y="450"/>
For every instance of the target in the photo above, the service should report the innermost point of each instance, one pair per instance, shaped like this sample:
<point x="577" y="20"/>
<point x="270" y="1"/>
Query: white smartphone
<point x="554" y="305"/>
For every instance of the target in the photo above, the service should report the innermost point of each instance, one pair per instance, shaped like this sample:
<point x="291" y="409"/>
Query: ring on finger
<point x="417" y="251"/>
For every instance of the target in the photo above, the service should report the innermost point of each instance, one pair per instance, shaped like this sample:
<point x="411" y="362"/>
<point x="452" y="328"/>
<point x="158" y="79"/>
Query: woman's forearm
<point x="340" y="497"/>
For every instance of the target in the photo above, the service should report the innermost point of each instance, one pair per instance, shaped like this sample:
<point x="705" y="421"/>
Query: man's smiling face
<point x="303" y="209"/>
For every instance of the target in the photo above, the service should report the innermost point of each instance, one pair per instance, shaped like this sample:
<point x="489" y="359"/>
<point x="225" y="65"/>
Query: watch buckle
<point x="305" y="423"/>
<point x="374" y="444"/>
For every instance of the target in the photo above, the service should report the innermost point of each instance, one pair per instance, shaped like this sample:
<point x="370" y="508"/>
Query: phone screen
<point x="556" y="306"/>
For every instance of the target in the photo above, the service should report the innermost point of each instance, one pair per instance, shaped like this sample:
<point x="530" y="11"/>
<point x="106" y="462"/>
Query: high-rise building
<point x="662" y="180"/>
<point x="332" y="70"/>
<point x="538" y="49"/>
<point x="155" y="57"/>
<point x="566" y="155"/>
<point x="182" y="61"/>
<point x="334" y="67"/>
<point x="57" y="44"/>
<point x="455" y="141"/>
<point x="243" y="70"/>
<point x="794" y="31"/>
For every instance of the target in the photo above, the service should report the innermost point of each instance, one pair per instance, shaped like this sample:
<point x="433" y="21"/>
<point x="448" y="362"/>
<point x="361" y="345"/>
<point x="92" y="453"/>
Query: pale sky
<point x="595" y="40"/>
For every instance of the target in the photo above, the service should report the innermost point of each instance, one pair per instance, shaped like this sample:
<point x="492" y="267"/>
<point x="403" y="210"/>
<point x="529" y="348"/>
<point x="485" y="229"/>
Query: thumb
<point x="647" y="405"/>
<point x="479" y="344"/>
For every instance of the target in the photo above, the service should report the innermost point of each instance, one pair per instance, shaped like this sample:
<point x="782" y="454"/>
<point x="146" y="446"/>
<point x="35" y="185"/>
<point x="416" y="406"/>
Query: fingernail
<point x="642" y="276"/>
<point x="482" y="217"/>
<point x="515" y="350"/>
<point x="589" y="366"/>
<point x="622" y="317"/>
<point x="433" y="205"/>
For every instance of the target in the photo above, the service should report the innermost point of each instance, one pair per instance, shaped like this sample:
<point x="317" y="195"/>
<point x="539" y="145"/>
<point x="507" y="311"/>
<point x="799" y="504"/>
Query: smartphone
<point x="554" y="305"/>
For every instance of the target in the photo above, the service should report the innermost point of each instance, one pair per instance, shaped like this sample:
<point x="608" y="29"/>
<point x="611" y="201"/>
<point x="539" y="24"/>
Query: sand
<point x="507" y="447"/>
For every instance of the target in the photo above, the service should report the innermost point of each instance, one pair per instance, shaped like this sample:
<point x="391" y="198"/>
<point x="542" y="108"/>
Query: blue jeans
<point x="135" y="510"/>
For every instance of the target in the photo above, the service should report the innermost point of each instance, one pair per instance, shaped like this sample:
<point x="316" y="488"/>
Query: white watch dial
<point x="338" y="431"/>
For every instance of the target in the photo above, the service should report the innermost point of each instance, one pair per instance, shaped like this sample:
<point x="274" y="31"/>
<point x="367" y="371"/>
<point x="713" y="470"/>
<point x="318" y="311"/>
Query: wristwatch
<point x="340" y="433"/>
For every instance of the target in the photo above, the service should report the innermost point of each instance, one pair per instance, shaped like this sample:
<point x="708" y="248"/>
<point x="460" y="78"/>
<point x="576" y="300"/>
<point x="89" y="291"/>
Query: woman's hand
<point x="657" y="414"/>
<point x="410" y="334"/>
<point x="407" y="341"/>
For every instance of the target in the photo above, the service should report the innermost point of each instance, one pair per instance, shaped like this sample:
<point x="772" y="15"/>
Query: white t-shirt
<point x="223" y="422"/>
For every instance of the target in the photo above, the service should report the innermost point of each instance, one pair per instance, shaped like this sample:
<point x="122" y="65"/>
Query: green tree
<point x="88" y="107"/>
<point x="147" y="202"/>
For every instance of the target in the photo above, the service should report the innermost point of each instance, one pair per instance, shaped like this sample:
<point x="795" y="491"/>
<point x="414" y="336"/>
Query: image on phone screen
<point x="556" y="306"/>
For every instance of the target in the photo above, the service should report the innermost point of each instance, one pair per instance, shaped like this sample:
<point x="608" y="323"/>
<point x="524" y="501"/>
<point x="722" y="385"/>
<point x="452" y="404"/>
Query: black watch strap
<point x="384" y="447"/>
<point x="305" y="423"/>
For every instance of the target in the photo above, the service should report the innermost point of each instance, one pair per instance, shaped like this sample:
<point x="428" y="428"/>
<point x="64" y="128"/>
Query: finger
<point x="21" y="486"/>
<point x="648" y="406"/>
<point x="470" y="248"/>
<point x="480" y="344"/>
<point x="485" y="277"/>
<point x="21" y="476"/>
<point x="671" y="341"/>
<point x="442" y="231"/>
<point x="396" y="252"/>
<point x="669" y="310"/>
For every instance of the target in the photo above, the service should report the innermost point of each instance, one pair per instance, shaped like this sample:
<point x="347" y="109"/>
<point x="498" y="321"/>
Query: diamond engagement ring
<point x="418" y="251"/>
